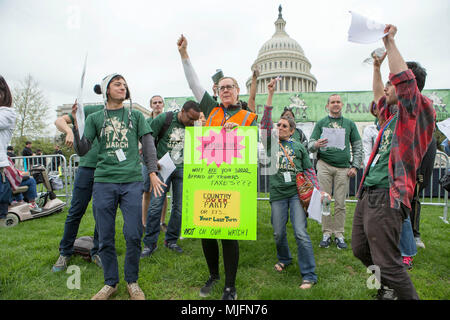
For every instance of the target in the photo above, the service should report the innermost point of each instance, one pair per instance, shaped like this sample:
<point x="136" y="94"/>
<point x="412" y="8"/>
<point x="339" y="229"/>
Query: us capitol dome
<point x="282" y="55"/>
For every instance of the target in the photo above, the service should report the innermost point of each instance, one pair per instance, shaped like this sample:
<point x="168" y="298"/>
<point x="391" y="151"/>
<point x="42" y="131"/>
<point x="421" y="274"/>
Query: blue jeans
<point x="5" y="196"/>
<point x="407" y="244"/>
<point x="107" y="198"/>
<point x="281" y="210"/>
<point x="154" y="211"/>
<point x="81" y="196"/>
<point x="31" y="193"/>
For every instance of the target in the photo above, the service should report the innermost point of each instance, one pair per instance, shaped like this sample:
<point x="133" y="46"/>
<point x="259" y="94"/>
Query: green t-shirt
<point x="117" y="136"/>
<point x="172" y="140"/>
<point x="334" y="156"/>
<point x="89" y="160"/>
<point x="208" y="104"/>
<point x="279" y="188"/>
<point x="379" y="169"/>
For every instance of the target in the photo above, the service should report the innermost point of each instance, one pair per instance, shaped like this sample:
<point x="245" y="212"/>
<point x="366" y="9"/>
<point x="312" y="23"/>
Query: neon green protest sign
<point x="220" y="183"/>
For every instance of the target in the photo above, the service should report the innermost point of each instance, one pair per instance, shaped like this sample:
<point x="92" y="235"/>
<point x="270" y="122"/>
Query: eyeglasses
<point x="227" y="87"/>
<point x="282" y="125"/>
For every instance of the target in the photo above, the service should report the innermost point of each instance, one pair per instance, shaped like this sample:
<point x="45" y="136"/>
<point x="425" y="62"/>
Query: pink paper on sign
<point x="220" y="147"/>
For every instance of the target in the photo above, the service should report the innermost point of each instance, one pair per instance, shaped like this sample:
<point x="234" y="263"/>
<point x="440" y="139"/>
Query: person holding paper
<point x="336" y="165"/>
<point x="81" y="193"/>
<point x="292" y="157"/>
<point x="389" y="179"/>
<point x="228" y="114"/>
<point x="118" y="179"/>
<point x="157" y="107"/>
<point x="172" y="142"/>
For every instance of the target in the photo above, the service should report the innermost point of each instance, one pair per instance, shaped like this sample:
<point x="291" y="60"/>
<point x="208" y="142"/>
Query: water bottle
<point x="326" y="203"/>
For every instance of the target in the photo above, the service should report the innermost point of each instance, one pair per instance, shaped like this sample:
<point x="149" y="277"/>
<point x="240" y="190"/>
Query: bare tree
<point x="31" y="107"/>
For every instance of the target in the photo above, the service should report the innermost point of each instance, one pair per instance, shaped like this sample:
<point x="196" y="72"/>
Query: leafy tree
<point x="32" y="108"/>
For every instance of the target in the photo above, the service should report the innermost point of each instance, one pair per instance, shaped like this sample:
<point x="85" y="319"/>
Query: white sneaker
<point x="419" y="243"/>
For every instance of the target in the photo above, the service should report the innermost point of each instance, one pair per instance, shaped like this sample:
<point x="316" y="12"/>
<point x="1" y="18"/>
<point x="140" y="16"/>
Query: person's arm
<point x="396" y="62"/>
<point x="377" y="82"/>
<point x="62" y="124"/>
<point x="83" y="145"/>
<point x="189" y="71"/>
<point x="151" y="162"/>
<point x="251" y="99"/>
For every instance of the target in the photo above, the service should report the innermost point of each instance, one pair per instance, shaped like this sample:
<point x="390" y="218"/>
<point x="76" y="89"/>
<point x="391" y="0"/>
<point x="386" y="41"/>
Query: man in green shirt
<point x="335" y="166"/>
<point x="172" y="142"/>
<point x="118" y="179"/>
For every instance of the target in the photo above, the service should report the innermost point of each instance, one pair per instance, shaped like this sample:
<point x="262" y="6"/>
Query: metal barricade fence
<point x="52" y="163"/>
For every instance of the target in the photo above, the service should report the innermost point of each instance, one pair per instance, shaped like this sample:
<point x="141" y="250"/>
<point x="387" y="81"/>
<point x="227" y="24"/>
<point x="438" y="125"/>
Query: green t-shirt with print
<point x="331" y="155"/>
<point x="279" y="187"/>
<point x="172" y="140"/>
<point x="117" y="136"/>
<point x="378" y="171"/>
<point x="208" y="104"/>
<point x="89" y="160"/>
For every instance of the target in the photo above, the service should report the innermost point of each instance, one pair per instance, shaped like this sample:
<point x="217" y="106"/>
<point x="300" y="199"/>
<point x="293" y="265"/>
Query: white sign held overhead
<point x="80" y="110"/>
<point x="364" y="30"/>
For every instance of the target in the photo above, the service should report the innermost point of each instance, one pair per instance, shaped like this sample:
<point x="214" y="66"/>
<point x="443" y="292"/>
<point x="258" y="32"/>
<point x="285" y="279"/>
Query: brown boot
<point x="135" y="292"/>
<point x="105" y="293"/>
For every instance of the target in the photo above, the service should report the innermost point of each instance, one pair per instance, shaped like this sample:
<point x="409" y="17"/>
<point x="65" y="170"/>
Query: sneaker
<point x="340" y="243"/>
<point x="385" y="293"/>
<point x="419" y="243"/>
<point x="96" y="259"/>
<point x="60" y="264"/>
<point x="135" y="291"/>
<point x="207" y="288"/>
<point x="326" y="241"/>
<point x="105" y="293"/>
<point x="173" y="246"/>
<point x="407" y="261"/>
<point x="148" y="251"/>
<point x="163" y="227"/>
<point x="34" y="208"/>
<point x="229" y="293"/>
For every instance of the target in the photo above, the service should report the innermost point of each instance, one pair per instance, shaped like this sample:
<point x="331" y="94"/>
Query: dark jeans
<point x="107" y="198"/>
<point x="5" y="196"/>
<point x="81" y="195"/>
<point x="154" y="211"/>
<point x="375" y="240"/>
<point x="230" y="250"/>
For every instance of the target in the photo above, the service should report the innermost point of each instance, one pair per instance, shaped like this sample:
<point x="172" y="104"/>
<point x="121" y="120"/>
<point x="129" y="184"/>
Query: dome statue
<point x="283" y="56"/>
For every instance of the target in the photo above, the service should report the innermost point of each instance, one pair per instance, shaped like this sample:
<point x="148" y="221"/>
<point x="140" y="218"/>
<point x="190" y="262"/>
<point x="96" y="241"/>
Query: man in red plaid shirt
<point x="387" y="187"/>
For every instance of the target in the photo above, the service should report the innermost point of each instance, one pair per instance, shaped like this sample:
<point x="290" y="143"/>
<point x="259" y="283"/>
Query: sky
<point x="49" y="40"/>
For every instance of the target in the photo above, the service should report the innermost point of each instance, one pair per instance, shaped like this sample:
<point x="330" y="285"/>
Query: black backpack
<point x="169" y="117"/>
<point x="83" y="246"/>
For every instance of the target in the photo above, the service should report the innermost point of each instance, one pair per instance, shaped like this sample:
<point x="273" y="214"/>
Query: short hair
<point x="5" y="94"/>
<point x="332" y="95"/>
<point x="233" y="79"/>
<point x="10" y="148"/>
<point x="188" y="105"/>
<point x="38" y="150"/>
<point x="419" y="72"/>
<point x="27" y="142"/>
<point x="288" y="109"/>
<point x="290" y="121"/>
<point x="156" y="95"/>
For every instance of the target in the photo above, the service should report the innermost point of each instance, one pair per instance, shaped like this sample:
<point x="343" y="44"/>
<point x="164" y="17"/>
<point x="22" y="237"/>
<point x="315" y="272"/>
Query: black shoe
<point x="148" y="251"/>
<point x="326" y="241"/>
<point x="173" y="246"/>
<point x="385" y="293"/>
<point x="207" y="288"/>
<point x="229" y="293"/>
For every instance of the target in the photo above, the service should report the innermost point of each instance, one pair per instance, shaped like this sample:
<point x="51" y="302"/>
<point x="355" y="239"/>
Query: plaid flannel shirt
<point x="412" y="137"/>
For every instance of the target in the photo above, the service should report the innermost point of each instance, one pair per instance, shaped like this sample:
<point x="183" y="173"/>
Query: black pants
<point x="230" y="250"/>
<point x="375" y="240"/>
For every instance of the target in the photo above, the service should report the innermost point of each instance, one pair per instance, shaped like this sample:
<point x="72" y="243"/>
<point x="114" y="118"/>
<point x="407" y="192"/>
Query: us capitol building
<point x="282" y="55"/>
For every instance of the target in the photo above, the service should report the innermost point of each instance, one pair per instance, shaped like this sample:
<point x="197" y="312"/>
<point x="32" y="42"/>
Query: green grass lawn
<point x="28" y="251"/>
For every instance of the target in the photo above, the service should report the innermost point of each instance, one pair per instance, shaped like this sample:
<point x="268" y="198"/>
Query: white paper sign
<point x="80" y="110"/>
<point x="365" y="30"/>
<point x="335" y="137"/>
<point x="444" y="127"/>
<point x="315" y="206"/>
<point x="167" y="166"/>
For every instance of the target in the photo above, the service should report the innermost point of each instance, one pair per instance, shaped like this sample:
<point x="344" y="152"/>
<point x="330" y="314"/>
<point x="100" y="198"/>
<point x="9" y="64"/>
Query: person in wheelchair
<point x="29" y="194"/>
